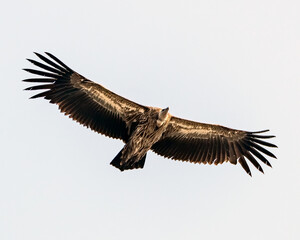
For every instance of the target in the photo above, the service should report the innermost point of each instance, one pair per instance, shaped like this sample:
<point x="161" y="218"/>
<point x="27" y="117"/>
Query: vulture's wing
<point x="83" y="100"/>
<point x="206" y="143"/>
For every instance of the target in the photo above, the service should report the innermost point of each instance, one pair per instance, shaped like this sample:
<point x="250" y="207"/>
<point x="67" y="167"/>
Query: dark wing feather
<point x="206" y="143"/>
<point x="83" y="100"/>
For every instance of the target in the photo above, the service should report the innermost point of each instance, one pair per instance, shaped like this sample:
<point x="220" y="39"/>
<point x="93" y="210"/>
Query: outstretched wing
<point x="83" y="100"/>
<point x="206" y="143"/>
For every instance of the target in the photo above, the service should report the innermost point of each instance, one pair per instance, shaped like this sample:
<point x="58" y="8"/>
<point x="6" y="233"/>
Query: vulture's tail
<point x="130" y="164"/>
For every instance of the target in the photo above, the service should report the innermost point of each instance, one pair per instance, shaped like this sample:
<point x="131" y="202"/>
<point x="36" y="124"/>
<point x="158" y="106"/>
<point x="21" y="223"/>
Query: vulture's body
<point x="148" y="130"/>
<point x="144" y="128"/>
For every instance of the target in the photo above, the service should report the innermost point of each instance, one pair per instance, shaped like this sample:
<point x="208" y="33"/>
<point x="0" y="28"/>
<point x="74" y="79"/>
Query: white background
<point x="234" y="63"/>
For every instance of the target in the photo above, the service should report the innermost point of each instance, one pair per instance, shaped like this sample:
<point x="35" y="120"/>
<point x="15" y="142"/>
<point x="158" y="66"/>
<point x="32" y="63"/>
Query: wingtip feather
<point x="261" y="131"/>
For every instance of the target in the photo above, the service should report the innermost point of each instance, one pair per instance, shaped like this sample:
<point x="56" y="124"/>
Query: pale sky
<point x="233" y="63"/>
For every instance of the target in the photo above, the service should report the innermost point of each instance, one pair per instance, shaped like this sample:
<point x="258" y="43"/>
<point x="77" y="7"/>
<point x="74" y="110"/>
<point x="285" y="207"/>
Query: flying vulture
<point x="143" y="128"/>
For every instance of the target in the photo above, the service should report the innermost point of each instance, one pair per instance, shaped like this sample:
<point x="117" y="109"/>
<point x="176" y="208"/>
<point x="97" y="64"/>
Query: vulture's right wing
<point x="84" y="101"/>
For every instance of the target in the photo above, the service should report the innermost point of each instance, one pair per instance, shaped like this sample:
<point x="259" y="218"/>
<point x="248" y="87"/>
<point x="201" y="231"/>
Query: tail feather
<point x="116" y="162"/>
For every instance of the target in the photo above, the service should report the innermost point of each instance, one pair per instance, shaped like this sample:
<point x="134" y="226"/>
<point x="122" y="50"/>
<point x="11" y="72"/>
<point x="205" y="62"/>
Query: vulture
<point x="144" y="128"/>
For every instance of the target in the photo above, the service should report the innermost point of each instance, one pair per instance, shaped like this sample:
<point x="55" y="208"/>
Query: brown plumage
<point x="144" y="128"/>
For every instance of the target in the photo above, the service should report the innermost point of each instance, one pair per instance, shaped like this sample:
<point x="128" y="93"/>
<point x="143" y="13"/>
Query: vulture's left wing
<point x="83" y="100"/>
<point x="206" y="143"/>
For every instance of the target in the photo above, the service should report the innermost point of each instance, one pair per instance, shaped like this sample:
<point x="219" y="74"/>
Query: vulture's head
<point x="162" y="116"/>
